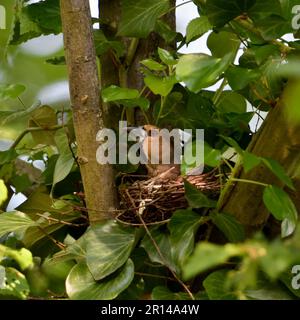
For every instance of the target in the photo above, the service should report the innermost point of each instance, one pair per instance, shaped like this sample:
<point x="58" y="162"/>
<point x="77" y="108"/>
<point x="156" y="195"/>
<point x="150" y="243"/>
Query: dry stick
<point x="159" y="252"/>
<point x="56" y="242"/>
<point x="62" y="221"/>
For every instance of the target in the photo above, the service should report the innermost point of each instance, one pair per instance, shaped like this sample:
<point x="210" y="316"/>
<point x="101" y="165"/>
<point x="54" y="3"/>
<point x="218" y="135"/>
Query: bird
<point x="159" y="152"/>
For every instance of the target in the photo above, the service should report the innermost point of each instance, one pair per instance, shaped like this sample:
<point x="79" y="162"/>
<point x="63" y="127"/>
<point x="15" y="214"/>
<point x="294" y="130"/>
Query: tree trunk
<point x="278" y="139"/>
<point x="128" y="75"/>
<point x="88" y="113"/>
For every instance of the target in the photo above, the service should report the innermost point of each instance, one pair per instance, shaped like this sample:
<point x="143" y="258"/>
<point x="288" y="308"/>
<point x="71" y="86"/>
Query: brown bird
<point x="159" y="153"/>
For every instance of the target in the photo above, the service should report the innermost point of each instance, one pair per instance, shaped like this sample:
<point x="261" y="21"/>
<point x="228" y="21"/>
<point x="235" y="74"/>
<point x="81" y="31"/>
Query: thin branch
<point x="33" y="129"/>
<point x="159" y="252"/>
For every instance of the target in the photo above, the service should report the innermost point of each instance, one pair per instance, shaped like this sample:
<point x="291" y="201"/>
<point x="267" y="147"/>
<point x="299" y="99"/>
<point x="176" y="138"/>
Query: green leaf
<point x="183" y="226"/>
<point x="43" y="117"/>
<point x="23" y="256"/>
<point x="139" y="16"/>
<point x="199" y="71"/>
<point x="15" y="284"/>
<point x="153" y="65"/>
<point x="279" y="171"/>
<point x="57" y="61"/>
<point x="166" y="57"/>
<point x="207" y="256"/>
<point x="7" y="156"/>
<point x="277" y="259"/>
<point x="196" y="198"/>
<point x="163" y="242"/>
<point x="212" y="157"/>
<point x="102" y="44"/>
<point x="231" y="102"/>
<point x="142" y="102"/>
<point x="227" y="223"/>
<point x="46" y="14"/>
<point x="3" y="192"/>
<point x="11" y="91"/>
<point x="215" y="286"/>
<point x="80" y="284"/>
<point x="114" y="93"/>
<point x="65" y="161"/>
<point x="282" y="207"/>
<point x="164" y="30"/>
<point x="222" y="43"/>
<point x="239" y="78"/>
<point x="15" y="221"/>
<point x="21" y="183"/>
<point x="274" y="26"/>
<point x="220" y="12"/>
<point x="108" y="246"/>
<point x="250" y="161"/>
<point x="17" y="114"/>
<point x="233" y="144"/>
<point x="158" y="85"/>
<point x="197" y="28"/>
<point x="163" y="293"/>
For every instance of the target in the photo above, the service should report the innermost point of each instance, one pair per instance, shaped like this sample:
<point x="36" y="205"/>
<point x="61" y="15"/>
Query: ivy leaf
<point x="114" y="93"/>
<point x="158" y="85"/>
<point x="196" y="198"/>
<point x="65" y="161"/>
<point x="11" y="91"/>
<point x="208" y="255"/>
<point x="279" y="171"/>
<point x="46" y="14"/>
<point x="197" y="28"/>
<point x="228" y="224"/>
<point x="80" y="284"/>
<point x="108" y="247"/>
<point x="166" y="57"/>
<point x="250" y="161"/>
<point x="139" y="17"/>
<point x="231" y="101"/>
<point x="164" y="244"/>
<point x="153" y="65"/>
<point x="22" y="256"/>
<point x="282" y="207"/>
<point x="102" y="44"/>
<point x="3" y="192"/>
<point x="199" y="71"/>
<point x="215" y="286"/>
<point x="220" y="12"/>
<point x="274" y="26"/>
<point x="142" y="102"/>
<point x="238" y="77"/>
<point x="222" y="43"/>
<point x="164" y="30"/>
<point x="15" y="284"/>
<point x="15" y="221"/>
<point x="183" y="226"/>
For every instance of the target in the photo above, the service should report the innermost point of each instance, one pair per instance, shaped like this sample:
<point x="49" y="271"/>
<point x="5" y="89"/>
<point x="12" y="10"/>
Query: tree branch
<point x="88" y="113"/>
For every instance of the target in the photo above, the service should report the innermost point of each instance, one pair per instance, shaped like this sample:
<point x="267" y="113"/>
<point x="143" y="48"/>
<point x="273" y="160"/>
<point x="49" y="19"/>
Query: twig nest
<point x="156" y="199"/>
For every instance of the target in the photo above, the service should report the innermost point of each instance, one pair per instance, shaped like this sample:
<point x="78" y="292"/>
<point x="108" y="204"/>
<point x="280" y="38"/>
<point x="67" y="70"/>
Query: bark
<point x="88" y="113"/>
<point x="278" y="139"/>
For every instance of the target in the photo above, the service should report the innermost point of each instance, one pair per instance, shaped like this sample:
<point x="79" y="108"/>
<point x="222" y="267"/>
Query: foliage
<point x="47" y="244"/>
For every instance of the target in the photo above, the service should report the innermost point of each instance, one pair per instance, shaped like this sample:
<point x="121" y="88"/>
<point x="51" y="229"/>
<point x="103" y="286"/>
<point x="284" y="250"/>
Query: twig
<point x="160" y="253"/>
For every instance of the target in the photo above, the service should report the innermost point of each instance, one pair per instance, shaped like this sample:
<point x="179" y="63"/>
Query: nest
<point x="156" y="199"/>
